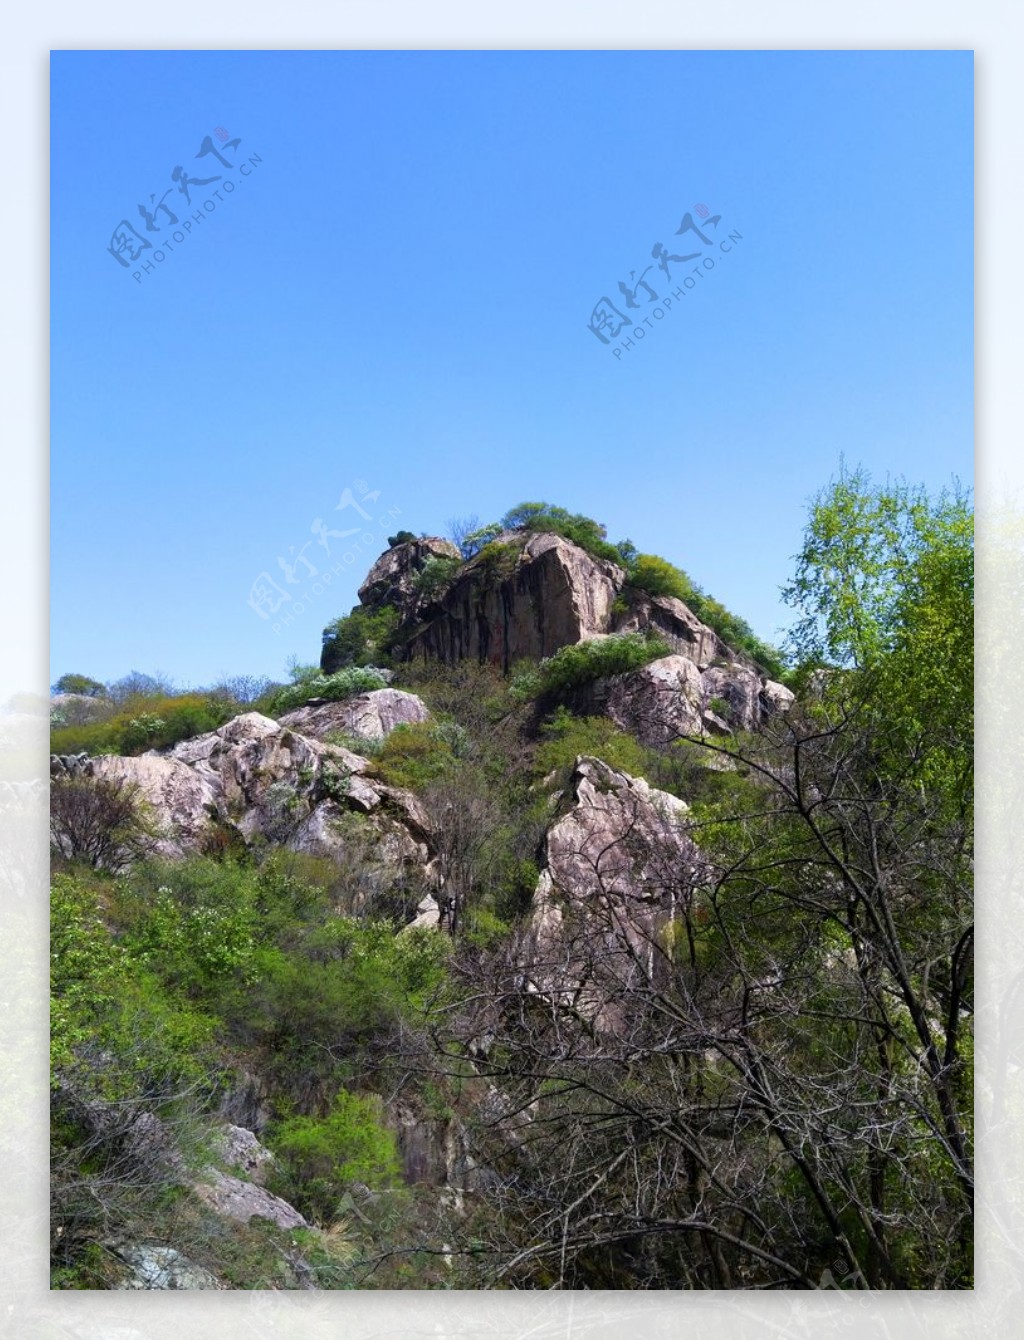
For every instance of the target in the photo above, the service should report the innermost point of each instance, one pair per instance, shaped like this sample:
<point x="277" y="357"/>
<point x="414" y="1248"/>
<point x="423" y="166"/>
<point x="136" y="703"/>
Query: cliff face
<point x="521" y="597"/>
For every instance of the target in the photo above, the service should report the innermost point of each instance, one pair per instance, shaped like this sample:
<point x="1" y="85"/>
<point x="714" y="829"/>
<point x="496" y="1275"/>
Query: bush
<point x="321" y="1158"/>
<point x="415" y="754"/>
<point x="582" y="530"/>
<point x="435" y="575"/>
<point x="583" y="662"/>
<point x="564" y="737"/>
<point x="145" y="723"/>
<point x="403" y="537"/>
<point x="196" y="921"/>
<point x="658" y="577"/>
<point x="362" y="637"/>
<point x="336" y="687"/>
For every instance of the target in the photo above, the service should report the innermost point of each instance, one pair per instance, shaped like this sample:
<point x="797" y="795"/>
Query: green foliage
<point x="196" y="920"/>
<point x="472" y="543"/>
<point x="321" y="1157"/>
<point x="363" y="637"/>
<point x="415" y="754"/>
<point x="564" y="737"/>
<point x="658" y="577"/>
<point x="582" y="530"/>
<point x="145" y="723"/>
<point x="105" y="998"/>
<point x="403" y="537"/>
<point x="435" y="575"/>
<point x="498" y="560"/>
<point x="582" y="662"/>
<point x="91" y="688"/>
<point x="341" y="684"/>
<point x="885" y="585"/>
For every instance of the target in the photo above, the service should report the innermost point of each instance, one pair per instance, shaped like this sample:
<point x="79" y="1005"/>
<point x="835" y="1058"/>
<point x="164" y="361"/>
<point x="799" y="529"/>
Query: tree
<point x="89" y="688"/>
<point x="100" y="820"/>
<point x="778" y="1077"/>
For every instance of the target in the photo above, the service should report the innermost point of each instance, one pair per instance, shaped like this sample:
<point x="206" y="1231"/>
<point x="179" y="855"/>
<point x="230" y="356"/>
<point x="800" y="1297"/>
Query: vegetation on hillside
<point x="786" y="1098"/>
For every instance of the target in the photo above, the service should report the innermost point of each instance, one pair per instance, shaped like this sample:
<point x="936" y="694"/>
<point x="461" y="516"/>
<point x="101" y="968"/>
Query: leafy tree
<point x="90" y="688"/>
<point x="403" y="537"/>
<point x="362" y="637"/>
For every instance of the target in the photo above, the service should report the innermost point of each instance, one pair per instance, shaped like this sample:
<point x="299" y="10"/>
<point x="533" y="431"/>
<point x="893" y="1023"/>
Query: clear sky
<point x="391" y="295"/>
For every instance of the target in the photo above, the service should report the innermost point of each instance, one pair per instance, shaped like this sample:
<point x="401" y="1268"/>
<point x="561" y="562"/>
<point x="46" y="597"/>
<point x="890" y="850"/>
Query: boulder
<point x="657" y="703"/>
<point x="154" y="1267"/>
<point x="369" y="716"/>
<point x="240" y="1200"/>
<point x="673" y="697"/>
<point x="617" y="864"/>
<point x="181" y="800"/>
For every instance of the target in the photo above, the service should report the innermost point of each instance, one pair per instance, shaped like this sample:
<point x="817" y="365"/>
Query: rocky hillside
<point x="536" y="903"/>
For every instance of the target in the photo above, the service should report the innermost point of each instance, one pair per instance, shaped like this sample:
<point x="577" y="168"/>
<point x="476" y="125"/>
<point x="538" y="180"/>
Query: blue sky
<point x="395" y="300"/>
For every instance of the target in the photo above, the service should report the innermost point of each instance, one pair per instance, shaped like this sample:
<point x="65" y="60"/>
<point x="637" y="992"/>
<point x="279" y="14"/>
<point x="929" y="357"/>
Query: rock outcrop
<point x="617" y="864"/>
<point x="255" y="781"/>
<point x="370" y="716"/>
<point x="392" y="579"/>
<point x="672" y="697"/>
<point x="523" y="596"/>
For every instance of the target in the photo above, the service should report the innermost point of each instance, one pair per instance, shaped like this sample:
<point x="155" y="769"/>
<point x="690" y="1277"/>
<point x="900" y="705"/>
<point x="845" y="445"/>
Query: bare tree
<point x="99" y="820"/>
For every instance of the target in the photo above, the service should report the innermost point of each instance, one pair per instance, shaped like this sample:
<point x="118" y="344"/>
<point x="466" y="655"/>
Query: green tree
<point x="90" y="688"/>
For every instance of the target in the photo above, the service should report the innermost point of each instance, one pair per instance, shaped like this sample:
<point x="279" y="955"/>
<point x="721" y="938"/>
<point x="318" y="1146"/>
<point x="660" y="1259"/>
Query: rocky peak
<point x="392" y="579"/>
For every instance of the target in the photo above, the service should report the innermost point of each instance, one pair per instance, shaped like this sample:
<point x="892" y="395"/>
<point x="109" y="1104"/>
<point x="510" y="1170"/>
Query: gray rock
<point x="369" y="716"/>
<point x="392" y="579"/>
<point x="617" y="863"/>
<point x="161" y="1268"/>
<point x="241" y="1200"/>
<point x="542" y="593"/>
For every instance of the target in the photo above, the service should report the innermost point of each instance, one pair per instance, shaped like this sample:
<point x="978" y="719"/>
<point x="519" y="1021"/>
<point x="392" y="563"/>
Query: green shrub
<point x="415" y="754"/>
<point x="322" y="1157"/>
<point x="658" y="577"/>
<point x="435" y="575"/>
<point x="335" y="687"/>
<point x="582" y="530"/>
<point x="498" y="560"/>
<point x="195" y="921"/>
<point x="362" y="637"/>
<point x="565" y="736"/>
<point x="583" y="662"/>
<point x="148" y="723"/>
